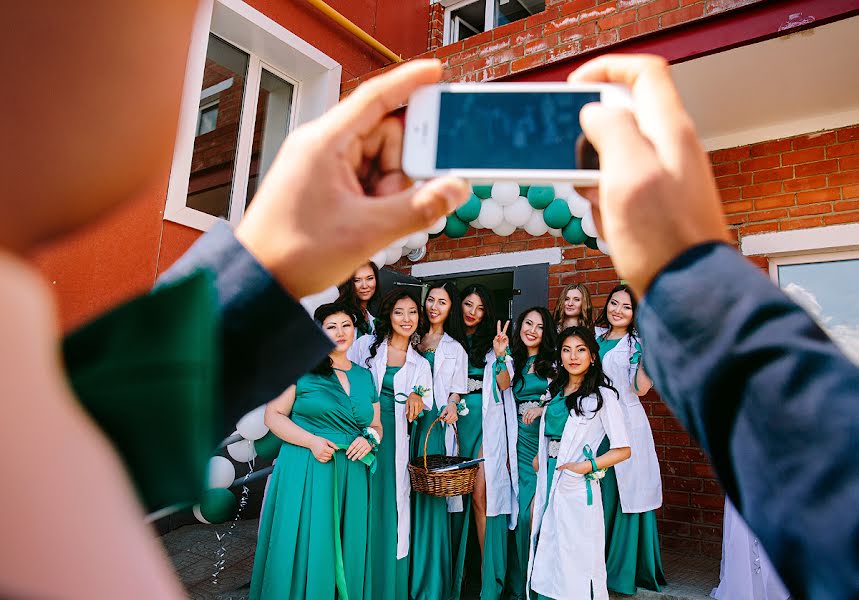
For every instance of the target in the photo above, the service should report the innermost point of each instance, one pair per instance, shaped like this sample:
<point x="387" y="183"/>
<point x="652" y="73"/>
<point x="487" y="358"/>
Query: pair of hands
<point x="323" y="450"/>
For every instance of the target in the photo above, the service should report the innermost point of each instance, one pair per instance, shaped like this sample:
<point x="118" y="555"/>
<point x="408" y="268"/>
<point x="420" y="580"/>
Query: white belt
<point x="474" y="385"/>
<point x="526" y="405"/>
<point x="554" y="448"/>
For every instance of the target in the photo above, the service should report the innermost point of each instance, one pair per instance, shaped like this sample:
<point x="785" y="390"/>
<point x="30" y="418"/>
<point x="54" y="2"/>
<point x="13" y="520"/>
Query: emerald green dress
<point x="632" y="556"/>
<point x="388" y="577"/>
<point x="529" y="389"/>
<point x="313" y="529"/>
<point x="430" y="550"/>
<point x="467" y="567"/>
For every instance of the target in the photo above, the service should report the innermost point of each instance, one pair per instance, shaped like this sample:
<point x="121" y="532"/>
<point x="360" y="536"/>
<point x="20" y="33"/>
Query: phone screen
<point x="513" y="130"/>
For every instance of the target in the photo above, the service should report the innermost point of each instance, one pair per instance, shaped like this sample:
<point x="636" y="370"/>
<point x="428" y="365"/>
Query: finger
<point x="506" y="325"/>
<point x="385" y="144"/>
<point x="498" y="329"/>
<point x="618" y="140"/>
<point x="373" y="100"/>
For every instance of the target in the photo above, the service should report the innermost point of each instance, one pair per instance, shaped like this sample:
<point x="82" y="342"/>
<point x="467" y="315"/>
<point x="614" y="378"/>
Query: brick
<point x="563" y="51"/>
<point x="463" y="57"/>
<point x="654" y="8"/>
<point x="846" y="205"/>
<point x="527" y="36"/>
<point x="767" y="215"/>
<point x="758" y="228"/>
<point x="773" y="147"/>
<point x="818" y="196"/>
<point x="805" y="183"/>
<point x="848" y="134"/>
<point x="780" y="174"/>
<point x="494" y="46"/>
<point x="727" y="168"/>
<point x="848" y="217"/>
<point x="601" y="275"/>
<point x="706" y="501"/>
<point x="844" y="177"/>
<point x="734" y="180"/>
<point x="731" y="208"/>
<point x="759" y="164"/>
<point x="578" y="32"/>
<point x="682" y="484"/>
<point x="848" y="163"/>
<point x="448" y="50"/>
<point x="810" y="209"/>
<point x="814" y="139"/>
<point x="729" y="194"/>
<point x="707" y="532"/>
<point x="842" y="149"/>
<point x="576" y="6"/>
<point x="477" y="40"/>
<point x="762" y="189"/>
<point x="850" y="191"/>
<point x="683" y="15"/>
<point x="704" y="470"/>
<point x="639" y="28"/>
<point x="801" y="223"/>
<point x="674" y="528"/>
<point x="618" y="19"/>
<point x="540" y="45"/>
<point x="509" y="29"/>
<point x="528" y="62"/>
<point x="817" y="168"/>
<point x="803" y="156"/>
<point x="600" y="10"/>
<point x="730" y="154"/>
<point x="599" y="41"/>
<point x="672" y="438"/>
<point x="542" y="17"/>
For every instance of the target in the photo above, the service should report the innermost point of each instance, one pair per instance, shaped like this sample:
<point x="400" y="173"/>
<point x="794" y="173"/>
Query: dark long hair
<point x="454" y="326"/>
<point x="594" y="379"/>
<point x="349" y="297"/>
<point x="603" y="321"/>
<point x="544" y="363"/>
<point x="326" y="366"/>
<point x="481" y="341"/>
<point x="384" y="329"/>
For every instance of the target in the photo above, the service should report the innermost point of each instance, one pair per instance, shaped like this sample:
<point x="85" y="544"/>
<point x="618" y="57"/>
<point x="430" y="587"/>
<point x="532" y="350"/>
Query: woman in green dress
<point x="443" y="345"/>
<point x="533" y="351"/>
<point x="313" y="534"/>
<point x="479" y="523"/>
<point x="404" y="382"/>
<point x="632" y="491"/>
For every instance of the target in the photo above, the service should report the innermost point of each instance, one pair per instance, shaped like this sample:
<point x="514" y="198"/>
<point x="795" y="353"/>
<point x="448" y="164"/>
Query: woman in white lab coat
<point x="632" y="491"/>
<point x="404" y="382"/>
<point x="443" y="345"/>
<point x="487" y="429"/>
<point x="358" y="292"/>
<point x="567" y="560"/>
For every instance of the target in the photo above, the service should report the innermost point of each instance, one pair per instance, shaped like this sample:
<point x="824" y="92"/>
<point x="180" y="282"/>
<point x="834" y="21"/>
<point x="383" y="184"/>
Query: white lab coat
<point x="415" y="372"/>
<point x="746" y="572"/>
<point x="639" y="481"/>
<point x="565" y="527"/>
<point x="499" y="449"/>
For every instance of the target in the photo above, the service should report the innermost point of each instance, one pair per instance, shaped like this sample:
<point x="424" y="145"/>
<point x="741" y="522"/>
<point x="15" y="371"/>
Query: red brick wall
<point x="436" y="30"/>
<point x="803" y="181"/>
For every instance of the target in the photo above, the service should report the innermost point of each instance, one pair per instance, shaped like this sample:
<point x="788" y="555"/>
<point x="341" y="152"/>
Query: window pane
<point x="507" y="11"/>
<point x="829" y="291"/>
<point x="214" y="155"/>
<point x="208" y="119"/>
<point x="274" y="107"/>
<point x="468" y="21"/>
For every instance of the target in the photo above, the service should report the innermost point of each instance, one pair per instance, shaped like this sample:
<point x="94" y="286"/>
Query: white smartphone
<point x="488" y="132"/>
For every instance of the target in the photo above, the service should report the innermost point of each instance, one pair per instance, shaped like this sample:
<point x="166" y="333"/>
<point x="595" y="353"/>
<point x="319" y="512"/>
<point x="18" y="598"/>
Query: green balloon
<point x="572" y="232"/>
<point x="218" y="505"/>
<point x="482" y="191"/>
<point x="268" y="446"/>
<point x="455" y="227"/>
<point x="523" y="189"/>
<point x="591" y="243"/>
<point x="432" y="236"/>
<point x="557" y="214"/>
<point x="470" y="210"/>
<point x="540" y="196"/>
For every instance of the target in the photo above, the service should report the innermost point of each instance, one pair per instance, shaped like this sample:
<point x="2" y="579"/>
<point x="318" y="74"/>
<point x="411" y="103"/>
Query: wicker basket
<point x="447" y="483"/>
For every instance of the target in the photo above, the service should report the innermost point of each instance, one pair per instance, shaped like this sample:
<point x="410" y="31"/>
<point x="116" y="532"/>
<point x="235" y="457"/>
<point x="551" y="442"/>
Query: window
<point x="827" y="287"/>
<point x="466" y="18"/>
<point x="249" y="82"/>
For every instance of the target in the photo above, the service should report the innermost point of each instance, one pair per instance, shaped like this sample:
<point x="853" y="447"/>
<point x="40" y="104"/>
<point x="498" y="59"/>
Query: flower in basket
<point x="461" y="407"/>
<point x="372" y="436"/>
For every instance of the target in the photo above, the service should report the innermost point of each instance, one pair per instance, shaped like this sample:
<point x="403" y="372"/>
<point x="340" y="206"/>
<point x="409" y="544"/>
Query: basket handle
<point x="426" y="440"/>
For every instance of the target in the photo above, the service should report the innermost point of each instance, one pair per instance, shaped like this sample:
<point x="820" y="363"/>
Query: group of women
<point x="563" y="503"/>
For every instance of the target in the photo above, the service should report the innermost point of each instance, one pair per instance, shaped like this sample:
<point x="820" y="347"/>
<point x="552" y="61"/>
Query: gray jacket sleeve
<point x="773" y="402"/>
<point x="268" y="338"/>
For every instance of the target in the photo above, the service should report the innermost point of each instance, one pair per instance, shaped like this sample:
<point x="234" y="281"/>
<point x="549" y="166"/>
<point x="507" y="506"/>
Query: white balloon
<point x="603" y="247"/>
<point x="400" y="242"/>
<point x="252" y="426"/>
<point x="221" y="473"/>
<point x="519" y="212"/>
<point x="588" y="225"/>
<point x="437" y="227"/>
<point x="378" y="259"/>
<point x="393" y="254"/>
<point x="504" y="229"/>
<point x="199" y="515"/>
<point x="536" y="225"/>
<point x="563" y="190"/>
<point x="491" y="214"/>
<point x="477" y="224"/>
<point x="554" y="232"/>
<point x="405" y="251"/>
<point x="579" y="205"/>
<point x="314" y="301"/>
<point x="505" y="193"/>
<point x="417" y="240"/>
<point x="242" y="451"/>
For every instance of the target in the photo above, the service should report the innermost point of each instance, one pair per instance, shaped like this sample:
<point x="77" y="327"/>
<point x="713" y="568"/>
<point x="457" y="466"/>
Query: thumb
<point x="415" y="208"/>
<point x="331" y="444"/>
<point x="615" y="134"/>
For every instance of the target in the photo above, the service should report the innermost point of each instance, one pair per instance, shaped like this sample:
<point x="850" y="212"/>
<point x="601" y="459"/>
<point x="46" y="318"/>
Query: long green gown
<point x="530" y="389"/>
<point x="467" y="568"/>
<point x="430" y="550"/>
<point x="313" y="529"/>
<point x="632" y="556"/>
<point x="388" y="577"/>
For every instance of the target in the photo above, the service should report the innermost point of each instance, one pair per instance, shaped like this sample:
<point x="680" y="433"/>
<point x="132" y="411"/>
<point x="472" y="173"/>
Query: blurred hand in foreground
<point x="657" y="196"/>
<point x="315" y="219"/>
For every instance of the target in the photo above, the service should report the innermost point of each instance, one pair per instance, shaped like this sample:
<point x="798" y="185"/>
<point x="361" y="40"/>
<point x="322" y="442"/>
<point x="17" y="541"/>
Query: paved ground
<point x="194" y="552"/>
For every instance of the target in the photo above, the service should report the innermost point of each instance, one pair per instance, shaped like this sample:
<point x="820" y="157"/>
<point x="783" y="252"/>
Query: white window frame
<point x="314" y="75"/>
<point x="452" y="5"/>
<point x="204" y="107"/>
<point x="503" y="260"/>
<point x="808" y="258"/>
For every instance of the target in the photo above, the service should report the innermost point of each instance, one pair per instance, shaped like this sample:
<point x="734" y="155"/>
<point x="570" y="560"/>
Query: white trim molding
<point x="315" y="76"/>
<point x="802" y="241"/>
<point x="505" y="260"/>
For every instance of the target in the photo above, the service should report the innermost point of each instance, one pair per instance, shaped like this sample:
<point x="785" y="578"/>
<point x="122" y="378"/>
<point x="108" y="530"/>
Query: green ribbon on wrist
<point x="499" y="367"/>
<point x="589" y="454"/>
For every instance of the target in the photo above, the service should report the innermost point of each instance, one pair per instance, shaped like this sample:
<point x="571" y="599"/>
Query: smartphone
<point x="489" y="132"/>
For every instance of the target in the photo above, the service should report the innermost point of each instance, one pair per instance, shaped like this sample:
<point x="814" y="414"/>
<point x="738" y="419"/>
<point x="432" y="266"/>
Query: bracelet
<point x="372" y="436"/>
